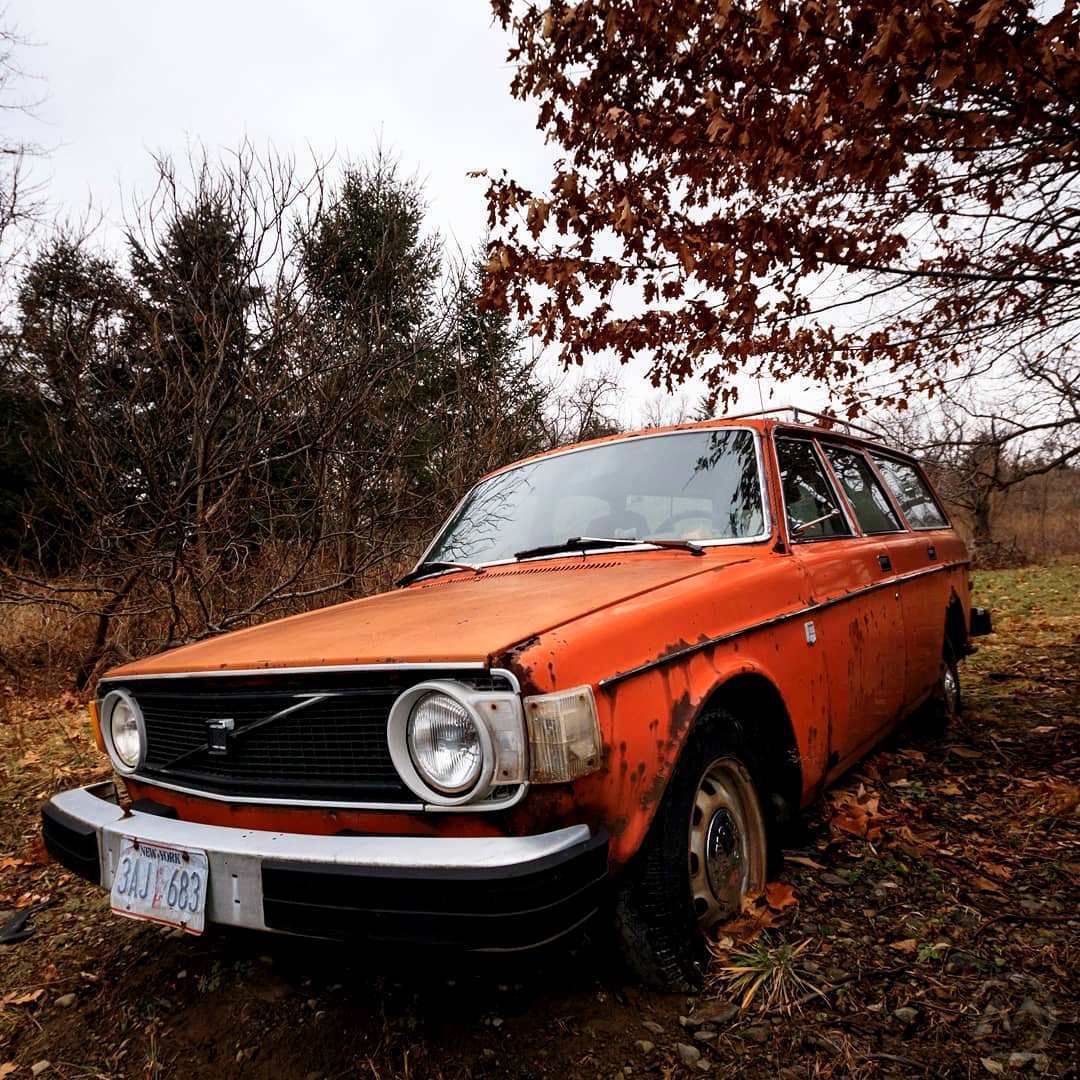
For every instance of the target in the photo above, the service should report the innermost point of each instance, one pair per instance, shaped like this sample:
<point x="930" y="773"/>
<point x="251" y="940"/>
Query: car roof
<point x="834" y="427"/>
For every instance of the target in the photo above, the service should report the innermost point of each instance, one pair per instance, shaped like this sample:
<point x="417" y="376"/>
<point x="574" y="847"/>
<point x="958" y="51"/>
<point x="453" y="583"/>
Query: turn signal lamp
<point x="564" y="735"/>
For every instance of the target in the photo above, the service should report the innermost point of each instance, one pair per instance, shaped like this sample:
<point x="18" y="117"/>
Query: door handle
<point x="884" y="562"/>
<point x="931" y="553"/>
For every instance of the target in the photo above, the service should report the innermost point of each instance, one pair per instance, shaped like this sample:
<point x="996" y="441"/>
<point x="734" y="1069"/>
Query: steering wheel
<point x="685" y="515"/>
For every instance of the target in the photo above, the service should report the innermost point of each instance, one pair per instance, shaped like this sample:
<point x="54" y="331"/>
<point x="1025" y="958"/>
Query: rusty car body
<point x="716" y="621"/>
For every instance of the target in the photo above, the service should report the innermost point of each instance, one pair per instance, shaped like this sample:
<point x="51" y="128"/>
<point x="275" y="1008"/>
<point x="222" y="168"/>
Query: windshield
<point x="693" y="485"/>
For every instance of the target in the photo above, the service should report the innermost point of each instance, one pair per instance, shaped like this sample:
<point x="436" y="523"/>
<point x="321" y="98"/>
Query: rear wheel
<point x="705" y="853"/>
<point x="946" y="701"/>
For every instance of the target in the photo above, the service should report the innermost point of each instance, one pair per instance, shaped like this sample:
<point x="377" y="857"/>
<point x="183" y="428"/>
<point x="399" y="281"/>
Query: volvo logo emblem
<point x="217" y="735"/>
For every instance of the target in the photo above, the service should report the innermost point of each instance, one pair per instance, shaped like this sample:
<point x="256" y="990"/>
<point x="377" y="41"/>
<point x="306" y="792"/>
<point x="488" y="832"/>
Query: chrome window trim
<point x="329" y="804"/>
<point x="757" y="538"/>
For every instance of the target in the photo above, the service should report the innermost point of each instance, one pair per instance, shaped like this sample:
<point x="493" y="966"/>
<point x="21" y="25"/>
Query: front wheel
<point x="705" y="853"/>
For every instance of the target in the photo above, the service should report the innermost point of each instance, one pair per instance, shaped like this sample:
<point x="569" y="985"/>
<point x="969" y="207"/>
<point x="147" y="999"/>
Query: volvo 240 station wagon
<point x="617" y="671"/>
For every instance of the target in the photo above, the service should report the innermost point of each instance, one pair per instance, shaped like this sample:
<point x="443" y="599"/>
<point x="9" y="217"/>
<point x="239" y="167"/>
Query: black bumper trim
<point x="981" y="622"/>
<point x="71" y="842"/>
<point x="485" y="909"/>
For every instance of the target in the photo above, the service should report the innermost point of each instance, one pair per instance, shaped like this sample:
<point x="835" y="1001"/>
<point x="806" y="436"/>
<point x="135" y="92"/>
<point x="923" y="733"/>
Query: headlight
<point x="444" y="744"/>
<point x="456" y="747"/>
<point x="122" y="726"/>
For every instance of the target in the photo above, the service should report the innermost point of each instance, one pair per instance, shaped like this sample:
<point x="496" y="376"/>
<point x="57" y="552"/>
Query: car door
<point x="915" y="553"/>
<point x="856" y="613"/>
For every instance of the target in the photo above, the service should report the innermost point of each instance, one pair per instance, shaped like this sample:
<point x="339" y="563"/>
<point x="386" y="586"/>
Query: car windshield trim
<point x="764" y="486"/>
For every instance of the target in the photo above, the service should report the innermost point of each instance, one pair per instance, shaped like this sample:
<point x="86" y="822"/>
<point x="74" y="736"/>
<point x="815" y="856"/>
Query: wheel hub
<point x="950" y="689"/>
<point x="727" y="842"/>
<point x="723" y="856"/>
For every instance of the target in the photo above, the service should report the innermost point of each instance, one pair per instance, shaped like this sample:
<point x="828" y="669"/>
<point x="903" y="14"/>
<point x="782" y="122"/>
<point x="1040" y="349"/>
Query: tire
<point x="673" y="892"/>
<point x="946" y="701"/>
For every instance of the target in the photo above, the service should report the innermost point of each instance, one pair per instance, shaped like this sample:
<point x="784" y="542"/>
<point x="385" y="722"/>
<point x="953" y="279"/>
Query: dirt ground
<point x="926" y="923"/>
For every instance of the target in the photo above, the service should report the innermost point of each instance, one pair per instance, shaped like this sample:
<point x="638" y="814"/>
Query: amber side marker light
<point x="95" y="726"/>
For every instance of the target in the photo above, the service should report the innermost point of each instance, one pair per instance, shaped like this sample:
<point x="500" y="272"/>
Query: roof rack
<point x="797" y="411"/>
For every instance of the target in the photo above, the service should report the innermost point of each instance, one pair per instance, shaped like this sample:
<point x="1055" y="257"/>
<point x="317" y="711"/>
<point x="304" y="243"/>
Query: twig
<point x="876" y="973"/>
<point x="901" y="1060"/>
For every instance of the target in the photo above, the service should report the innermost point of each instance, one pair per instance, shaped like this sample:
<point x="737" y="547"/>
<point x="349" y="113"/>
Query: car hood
<point x="454" y="618"/>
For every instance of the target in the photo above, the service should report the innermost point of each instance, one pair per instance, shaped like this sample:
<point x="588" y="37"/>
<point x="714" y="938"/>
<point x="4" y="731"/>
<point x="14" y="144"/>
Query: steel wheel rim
<point x="727" y="842"/>
<point x="950" y="690"/>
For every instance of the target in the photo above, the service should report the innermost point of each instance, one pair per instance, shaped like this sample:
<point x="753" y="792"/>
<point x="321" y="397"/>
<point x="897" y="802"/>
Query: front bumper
<point x="483" y="893"/>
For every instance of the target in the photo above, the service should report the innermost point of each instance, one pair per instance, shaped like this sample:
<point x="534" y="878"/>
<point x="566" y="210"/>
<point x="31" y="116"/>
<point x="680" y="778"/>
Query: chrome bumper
<point x="344" y="870"/>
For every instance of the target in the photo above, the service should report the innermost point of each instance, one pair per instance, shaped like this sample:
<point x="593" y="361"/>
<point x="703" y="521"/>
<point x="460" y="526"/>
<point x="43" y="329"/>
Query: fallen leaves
<point x="857" y="814"/>
<point x="760" y="913"/>
<point x="780" y="896"/>
<point x="17" y="998"/>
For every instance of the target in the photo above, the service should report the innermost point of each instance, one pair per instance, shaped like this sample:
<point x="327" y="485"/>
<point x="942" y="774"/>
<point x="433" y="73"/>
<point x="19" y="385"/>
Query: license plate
<point x="163" y="884"/>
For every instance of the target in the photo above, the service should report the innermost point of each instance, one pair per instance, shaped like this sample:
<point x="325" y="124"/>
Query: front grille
<point x="333" y="748"/>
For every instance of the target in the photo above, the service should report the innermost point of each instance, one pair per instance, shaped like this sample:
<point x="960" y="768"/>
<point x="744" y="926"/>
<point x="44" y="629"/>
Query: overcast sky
<point x="122" y="78"/>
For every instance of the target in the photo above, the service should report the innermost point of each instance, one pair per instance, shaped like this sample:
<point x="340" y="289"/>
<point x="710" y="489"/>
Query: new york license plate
<point x="163" y="884"/>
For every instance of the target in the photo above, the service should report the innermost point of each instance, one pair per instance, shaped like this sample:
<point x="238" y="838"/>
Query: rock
<point x="653" y="1026"/>
<point x="689" y="1055"/>
<point x="835" y="974"/>
<point x="906" y="1014"/>
<point x="961" y="962"/>
<point x="715" y="1012"/>
<point x="40" y="1066"/>
<point x="65" y="1001"/>
<point x="645" y="1046"/>
<point x="496" y="1021"/>
<point x="705" y="1035"/>
<point x="1032" y="1015"/>
<point x="833" y="879"/>
<point x="1021" y="1059"/>
<point x="759" y="1033"/>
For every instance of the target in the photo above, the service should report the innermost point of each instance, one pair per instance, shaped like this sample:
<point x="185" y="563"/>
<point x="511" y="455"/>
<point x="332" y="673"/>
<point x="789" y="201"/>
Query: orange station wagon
<point x="617" y="672"/>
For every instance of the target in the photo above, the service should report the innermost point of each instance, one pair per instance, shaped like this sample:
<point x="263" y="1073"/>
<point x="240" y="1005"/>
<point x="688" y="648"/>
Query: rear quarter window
<point x="912" y="493"/>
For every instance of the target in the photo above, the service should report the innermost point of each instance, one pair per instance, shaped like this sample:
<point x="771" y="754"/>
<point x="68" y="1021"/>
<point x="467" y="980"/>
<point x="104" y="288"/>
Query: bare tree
<point x="992" y="430"/>
<point x="271" y="407"/>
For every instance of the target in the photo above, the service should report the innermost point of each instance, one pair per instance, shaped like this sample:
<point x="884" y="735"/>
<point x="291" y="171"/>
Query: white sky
<point x="122" y="78"/>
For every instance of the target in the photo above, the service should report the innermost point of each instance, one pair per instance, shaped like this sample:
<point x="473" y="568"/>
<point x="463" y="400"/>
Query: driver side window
<point x="813" y="512"/>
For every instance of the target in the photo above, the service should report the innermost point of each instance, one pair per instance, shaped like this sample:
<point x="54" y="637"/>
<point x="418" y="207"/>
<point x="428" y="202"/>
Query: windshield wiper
<point x="583" y="543"/>
<point x="426" y="569"/>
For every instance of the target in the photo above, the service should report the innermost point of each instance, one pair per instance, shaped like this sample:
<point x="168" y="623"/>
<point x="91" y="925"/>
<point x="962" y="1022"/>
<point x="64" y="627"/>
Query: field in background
<point x="935" y="889"/>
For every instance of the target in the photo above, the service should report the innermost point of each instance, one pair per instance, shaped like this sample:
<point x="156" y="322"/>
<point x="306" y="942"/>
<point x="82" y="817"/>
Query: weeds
<point x="769" y="972"/>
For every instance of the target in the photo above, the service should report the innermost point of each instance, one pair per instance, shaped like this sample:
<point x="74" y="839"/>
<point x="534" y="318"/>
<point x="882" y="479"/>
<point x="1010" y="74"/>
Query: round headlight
<point x="125" y="731"/>
<point x="444" y="744"/>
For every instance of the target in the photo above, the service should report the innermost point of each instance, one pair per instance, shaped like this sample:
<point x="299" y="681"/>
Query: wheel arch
<point x="956" y="626"/>
<point x="761" y="718"/>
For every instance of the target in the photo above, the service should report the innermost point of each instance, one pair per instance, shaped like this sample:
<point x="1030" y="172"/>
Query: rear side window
<point x="912" y="494"/>
<point x="812" y="510"/>
<point x="868" y="500"/>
